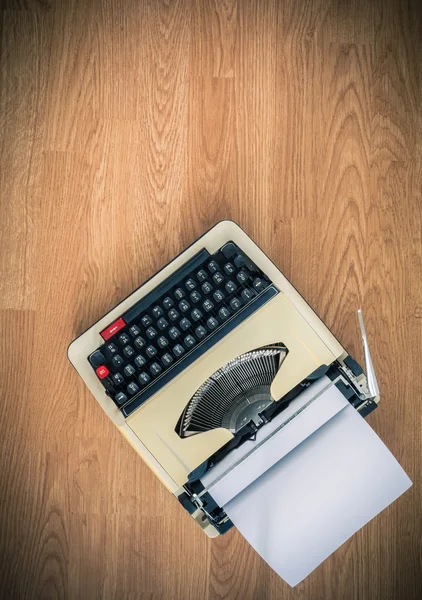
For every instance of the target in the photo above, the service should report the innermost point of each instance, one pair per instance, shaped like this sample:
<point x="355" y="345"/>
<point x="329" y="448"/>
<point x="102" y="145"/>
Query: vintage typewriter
<point x="201" y="360"/>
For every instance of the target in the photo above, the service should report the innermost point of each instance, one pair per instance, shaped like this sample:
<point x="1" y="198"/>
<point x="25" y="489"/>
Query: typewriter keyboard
<point x="177" y="322"/>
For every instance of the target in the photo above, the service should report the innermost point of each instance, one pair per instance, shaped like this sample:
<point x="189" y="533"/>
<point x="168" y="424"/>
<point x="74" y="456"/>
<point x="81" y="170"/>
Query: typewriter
<point x="197" y="364"/>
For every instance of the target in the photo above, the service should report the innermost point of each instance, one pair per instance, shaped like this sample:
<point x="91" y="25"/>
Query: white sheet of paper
<point x="317" y="496"/>
<point x="304" y="415"/>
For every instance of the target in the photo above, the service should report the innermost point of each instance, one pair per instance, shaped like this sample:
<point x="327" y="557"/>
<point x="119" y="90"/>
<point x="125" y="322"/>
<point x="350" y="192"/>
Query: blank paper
<point x="310" y="502"/>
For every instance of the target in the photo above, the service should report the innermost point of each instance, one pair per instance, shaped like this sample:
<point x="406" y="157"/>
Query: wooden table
<point x="128" y="129"/>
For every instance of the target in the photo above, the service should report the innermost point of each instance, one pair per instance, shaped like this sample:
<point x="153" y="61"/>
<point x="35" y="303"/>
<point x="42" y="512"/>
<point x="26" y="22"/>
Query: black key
<point x="224" y="313"/>
<point x="218" y="296"/>
<point x="120" y="398"/>
<point x="229" y="268"/>
<point x="124" y="339"/>
<point x="134" y="331"/>
<point x="132" y="389"/>
<point x="229" y="250"/>
<point x="173" y="314"/>
<point x="139" y="361"/>
<point x="206" y="287"/>
<point x="200" y="332"/>
<point x="146" y="321"/>
<point x="117" y="360"/>
<point x="196" y="314"/>
<point x="242" y="277"/>
<point x="157" y="311"/>
<point x="212" y="323"/>
<point x="195" y="297"/>
<point x="162" y="341"/>
<point x="189" y="341"/>
<point x="117" y="378"/>
<point x="167" y="302"/>
<point x="128" y="351"/>
<point x="184" y="306"/>
<point x="202" y="275"/>
<point x="151" y="333"/>
<point x="250" y="265"/>
<point x="155" y="369"/>
<point x="167" y="359"/>
<point x="111" y="350"/>
<point x="259" y="284"/>
<point x="162" y="323"/>
<point x="208" y="305"/>
<point x="179" y="294"/>
<point x="174" y="333"/>
<point x="235" y="303"/>
<point x="139" y="342"/>
<point x="239" y="261"/>
<point x="230" y="287"/>
<point x="129" y="370"/>
<point x="97" y="358"/>
<point x="247" y="294"/>
<point x="144" y="378"/>
<point x="151" y="351"/>
<point x="217" y="278"/>
<point x="212" y="266"/>
<point x="178" y="350"/>
<point x="185" y="324"/>
<point x="190" y="285"/>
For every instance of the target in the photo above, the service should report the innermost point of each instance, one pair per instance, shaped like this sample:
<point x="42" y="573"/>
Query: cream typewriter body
<point x="206" y="353"/>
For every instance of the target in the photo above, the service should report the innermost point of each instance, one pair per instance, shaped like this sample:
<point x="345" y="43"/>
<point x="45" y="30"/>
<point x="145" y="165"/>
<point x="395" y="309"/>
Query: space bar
<point x="194" y="354"/>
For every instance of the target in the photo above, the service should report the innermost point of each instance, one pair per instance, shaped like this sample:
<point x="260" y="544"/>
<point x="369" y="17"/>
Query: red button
<point x="113" y="329"/>
<point x="102" y="372"/>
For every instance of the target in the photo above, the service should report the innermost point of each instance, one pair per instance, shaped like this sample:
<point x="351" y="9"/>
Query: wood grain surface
<point x="128" y="128"/>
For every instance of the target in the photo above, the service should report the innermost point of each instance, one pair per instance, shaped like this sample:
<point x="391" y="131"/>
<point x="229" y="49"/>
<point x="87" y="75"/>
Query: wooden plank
<point x="127" y="129"/>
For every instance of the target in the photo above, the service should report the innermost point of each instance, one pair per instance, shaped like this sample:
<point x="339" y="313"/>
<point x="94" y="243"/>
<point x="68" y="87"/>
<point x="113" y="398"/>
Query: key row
<point x="166" y="359"/>
<point x="162" y="342"/>
<point x="173" y="315"/>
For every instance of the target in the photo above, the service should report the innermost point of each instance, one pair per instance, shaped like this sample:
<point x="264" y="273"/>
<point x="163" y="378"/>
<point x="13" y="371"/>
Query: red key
<point x="102" y="372"/>
<point x="113" y="329"/>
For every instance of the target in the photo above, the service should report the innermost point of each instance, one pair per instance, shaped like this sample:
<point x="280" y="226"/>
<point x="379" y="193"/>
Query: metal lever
<point x="369" y="367"/>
